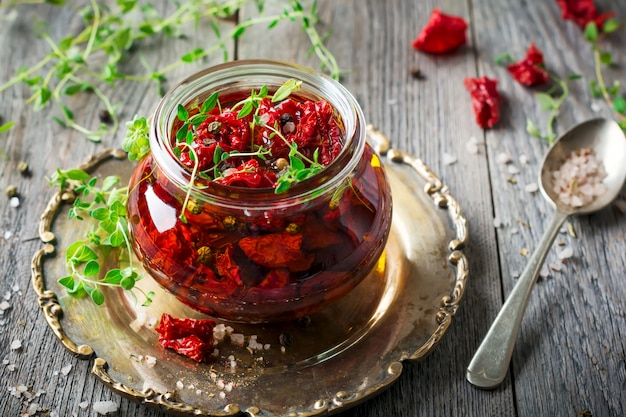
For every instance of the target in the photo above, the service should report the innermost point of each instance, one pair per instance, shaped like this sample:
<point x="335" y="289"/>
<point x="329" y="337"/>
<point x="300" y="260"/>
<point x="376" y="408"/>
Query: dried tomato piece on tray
<point x="443" y="33"/>
<point x="190" y="337"/>
<point x="529" y="71"/>
<point x="582" y="12"/>
<point x="485" y="100"/>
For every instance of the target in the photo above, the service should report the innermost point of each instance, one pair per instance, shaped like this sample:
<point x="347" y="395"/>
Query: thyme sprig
<point x="74" y="64"/>
<point x="603" y="58"/>
<point x="550" y="100"/>
<point x="105" y="206"/>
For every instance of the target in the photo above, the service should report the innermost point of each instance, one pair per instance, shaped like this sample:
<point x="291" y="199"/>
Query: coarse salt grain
<point x="83" y="405"/>
<point x="544" y="273"/>
<point x="556" y="267"/>
<point x="512" y="169"/>
<point x="579" y="179"/>
<point x="449" y="159"/>
<point x="4" y="306"/>
<point x="595" y="107"/>
<point x="237" y="339"/>
<point x="531" y="188"/>
<point x="180" y="385"/>
<point x="104" y="407"/>
<point x="566" y="253"/>
<point x="7" y="235"/>
<point x="16" y="344"/>
<point x="66" y="369"/>
<point x="472" y="145"/>
<point x="14" y="202"/>
<point x="150" y="361"/>
<point x="523" y="159"/>
<point x="503" y="158"/>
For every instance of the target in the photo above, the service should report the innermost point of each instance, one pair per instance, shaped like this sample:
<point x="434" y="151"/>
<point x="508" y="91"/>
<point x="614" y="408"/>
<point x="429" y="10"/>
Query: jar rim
<point x="234" y="76"/>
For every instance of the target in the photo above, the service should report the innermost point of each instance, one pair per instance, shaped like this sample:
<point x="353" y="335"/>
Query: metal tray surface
<point x="349" y="351"/>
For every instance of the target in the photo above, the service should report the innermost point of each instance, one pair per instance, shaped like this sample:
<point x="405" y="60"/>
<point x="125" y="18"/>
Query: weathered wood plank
<point x="570" y="354"/>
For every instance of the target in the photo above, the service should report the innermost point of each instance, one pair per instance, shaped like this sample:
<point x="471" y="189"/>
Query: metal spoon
<point x="491" y="361"/>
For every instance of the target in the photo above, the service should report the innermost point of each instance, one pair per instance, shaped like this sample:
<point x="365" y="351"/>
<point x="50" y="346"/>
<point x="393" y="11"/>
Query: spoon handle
<point x="491" y="361"/>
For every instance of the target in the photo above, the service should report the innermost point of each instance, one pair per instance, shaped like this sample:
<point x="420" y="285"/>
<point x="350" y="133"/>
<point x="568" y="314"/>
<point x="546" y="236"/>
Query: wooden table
<point x="571" y="352"/>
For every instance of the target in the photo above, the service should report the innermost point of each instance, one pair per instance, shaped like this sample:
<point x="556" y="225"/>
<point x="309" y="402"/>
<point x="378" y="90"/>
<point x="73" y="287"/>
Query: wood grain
<point x="571" y="354"/>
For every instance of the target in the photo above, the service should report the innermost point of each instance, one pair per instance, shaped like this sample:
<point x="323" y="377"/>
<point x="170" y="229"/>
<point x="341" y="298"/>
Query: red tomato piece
<point x="485" y="100"/>
<point x="443" y="33"/>
<point x="190" y="337"/>
<point x="175" y="328"/>
<point x="529" y="71"/>
<point x="582" y="12"/>
<point x="276" y="250"/>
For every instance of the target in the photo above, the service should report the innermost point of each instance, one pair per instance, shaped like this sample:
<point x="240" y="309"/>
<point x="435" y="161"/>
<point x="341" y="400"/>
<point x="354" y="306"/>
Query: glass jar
<point x="252" y="255"/>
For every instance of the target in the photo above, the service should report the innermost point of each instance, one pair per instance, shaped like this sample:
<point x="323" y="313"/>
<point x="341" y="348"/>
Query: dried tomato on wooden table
<point x="485" y="100"/>
<point x="443" y="33"/>
<point x="529" y="71"/>
<point x="190" y="337"/>
<point x="582" y="12"/>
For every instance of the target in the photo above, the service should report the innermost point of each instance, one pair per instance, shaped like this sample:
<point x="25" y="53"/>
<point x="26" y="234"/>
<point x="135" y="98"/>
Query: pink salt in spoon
<point x="490" y="363"/>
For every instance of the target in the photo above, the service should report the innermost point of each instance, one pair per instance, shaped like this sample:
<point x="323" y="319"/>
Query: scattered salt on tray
<point x="579" y="180"/>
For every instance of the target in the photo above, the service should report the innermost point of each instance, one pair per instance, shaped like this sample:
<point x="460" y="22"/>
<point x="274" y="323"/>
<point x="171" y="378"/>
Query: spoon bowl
<point x="489" y="365"/>
<point x="606" y="138"/>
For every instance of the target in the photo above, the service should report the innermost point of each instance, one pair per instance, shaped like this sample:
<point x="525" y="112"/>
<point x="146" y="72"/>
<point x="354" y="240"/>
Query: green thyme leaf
<point x="182" y="112"/>
<point x="611" y="25"/>
<point x="606" y="58"/>
<point x="247" y="108"/>
<point x="286" y="90"/>
<point x="137" y="141"/>
<point x="6" y="126"/>
<point x="591" y="32"/>
<point x="532" y="129"/>
<point x="504" y="59"/>
<point x="97" y="296"/>
<point x="210" y="103"/>
<point x="619" y="105"/>
<point x="91" y="268"/>
<point x="546" y="101"/>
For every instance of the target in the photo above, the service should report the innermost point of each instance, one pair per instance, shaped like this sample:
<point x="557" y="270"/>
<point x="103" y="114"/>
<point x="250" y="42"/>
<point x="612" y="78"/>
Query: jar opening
<point x="237" y="79"/>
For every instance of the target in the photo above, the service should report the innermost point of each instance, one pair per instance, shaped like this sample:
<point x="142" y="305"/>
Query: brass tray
<point x="346" y="353"/>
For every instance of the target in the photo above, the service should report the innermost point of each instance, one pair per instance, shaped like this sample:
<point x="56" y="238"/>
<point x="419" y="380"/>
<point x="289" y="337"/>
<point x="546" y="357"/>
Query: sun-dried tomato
<point x="443" y="33"/>
<point x="228" y="268"/>
<point x="176" y="328"/>
<point x="230" y="133"/>
<point x="276" y="278"/>
<point x="248" y="175"/>
<point x="190" y="337"/>
<point x="190" y="346"/>
<point x="485" y="100"/>
<point x="277" y="250"/>
<point x="529" y="71"/>
<point x="582" y="12"/>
